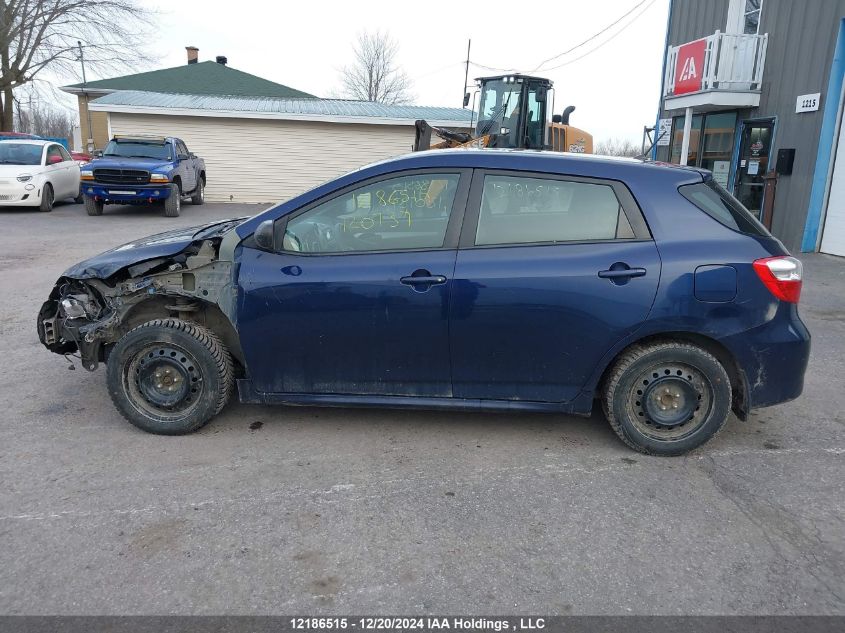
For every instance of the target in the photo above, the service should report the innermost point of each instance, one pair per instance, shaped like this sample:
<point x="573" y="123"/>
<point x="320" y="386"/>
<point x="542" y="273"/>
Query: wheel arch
<point x="202" y="312"/>
<point x="739" y="382"/>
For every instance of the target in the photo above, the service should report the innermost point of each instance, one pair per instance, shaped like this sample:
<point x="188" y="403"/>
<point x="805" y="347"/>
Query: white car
<point x="36" y="173"/>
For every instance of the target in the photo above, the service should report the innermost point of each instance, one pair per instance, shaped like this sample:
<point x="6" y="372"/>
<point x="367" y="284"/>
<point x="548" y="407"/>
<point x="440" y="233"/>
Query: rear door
<point x="551" y="273"/>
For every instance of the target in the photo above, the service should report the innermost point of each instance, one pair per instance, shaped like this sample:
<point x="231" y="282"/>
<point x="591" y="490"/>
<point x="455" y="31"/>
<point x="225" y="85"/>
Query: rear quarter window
<point x="720" y="205"/>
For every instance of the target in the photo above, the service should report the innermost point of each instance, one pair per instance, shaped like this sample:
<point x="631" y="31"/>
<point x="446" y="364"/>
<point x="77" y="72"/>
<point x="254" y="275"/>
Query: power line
<point x="592" y="37"/>
<point x="593" y="50"/>
<point x="609" y="39"/>
<point x="566" y="52"/>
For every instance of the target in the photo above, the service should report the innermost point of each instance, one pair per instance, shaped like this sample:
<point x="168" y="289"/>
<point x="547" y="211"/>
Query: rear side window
<point x="519" y="210"/>
<point x="716" y="202"/>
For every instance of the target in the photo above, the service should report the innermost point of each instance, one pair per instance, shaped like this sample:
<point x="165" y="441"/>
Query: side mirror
<point x="181" y="156"/>
<point x="264" y="236"/>
<point x="466" y="99"/>
<point x="98" y="153"/>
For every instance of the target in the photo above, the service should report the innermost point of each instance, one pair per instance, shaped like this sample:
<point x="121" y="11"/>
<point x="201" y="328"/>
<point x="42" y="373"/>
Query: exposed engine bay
<point x="87" y="314"/>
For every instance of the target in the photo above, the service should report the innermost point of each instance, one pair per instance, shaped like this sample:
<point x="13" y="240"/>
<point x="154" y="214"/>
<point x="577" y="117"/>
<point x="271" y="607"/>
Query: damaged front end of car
<point x="98" y="301"/>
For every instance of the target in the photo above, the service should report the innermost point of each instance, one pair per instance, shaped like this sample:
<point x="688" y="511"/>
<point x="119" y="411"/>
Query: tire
<point x="46" y="198"/>
<point x="173" y="202"/>
<point x="667" y="398"/>
<point x="169" y="376"/>
<point x="198" y="197"/>
<point x="93" y="207"/>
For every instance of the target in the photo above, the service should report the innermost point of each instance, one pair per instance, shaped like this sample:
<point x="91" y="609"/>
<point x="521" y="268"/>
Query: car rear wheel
<point x="173" y="202"/>
<point x="198" y="197"/>
<point x="46" y="198"/>
<point x="169" y="376"/>
<point x="93" y="207"/>
<point x="667" y="398"/>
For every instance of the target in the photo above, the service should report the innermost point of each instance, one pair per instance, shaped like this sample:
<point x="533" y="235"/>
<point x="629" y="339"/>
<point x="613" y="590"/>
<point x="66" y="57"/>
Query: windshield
<point x="20" y="154"/>
<point x="138" y="149"/>
<point x="499" y="101"/>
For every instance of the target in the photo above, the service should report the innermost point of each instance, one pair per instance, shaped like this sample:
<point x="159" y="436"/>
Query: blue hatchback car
<point x="495" y="280"/>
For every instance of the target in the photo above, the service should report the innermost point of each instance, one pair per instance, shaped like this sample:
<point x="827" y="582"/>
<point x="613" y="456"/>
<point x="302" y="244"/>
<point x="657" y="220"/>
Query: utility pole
<point x="466" y="76"/>
<point x="90" y="141"/>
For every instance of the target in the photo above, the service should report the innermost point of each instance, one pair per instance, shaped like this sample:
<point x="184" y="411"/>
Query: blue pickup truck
<point x="143" y="170"/>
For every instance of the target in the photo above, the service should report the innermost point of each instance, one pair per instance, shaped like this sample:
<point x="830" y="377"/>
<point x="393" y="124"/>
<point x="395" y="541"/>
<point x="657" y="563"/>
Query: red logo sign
<point x="690" y="67"/>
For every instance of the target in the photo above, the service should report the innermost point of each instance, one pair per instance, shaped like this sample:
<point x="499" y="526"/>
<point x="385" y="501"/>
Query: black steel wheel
<point x="667" y="398"/>
<point x="169" y="376"/>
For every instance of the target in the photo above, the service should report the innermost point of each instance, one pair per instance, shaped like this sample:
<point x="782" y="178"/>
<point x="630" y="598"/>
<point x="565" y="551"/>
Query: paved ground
<point x="306" y="510"/>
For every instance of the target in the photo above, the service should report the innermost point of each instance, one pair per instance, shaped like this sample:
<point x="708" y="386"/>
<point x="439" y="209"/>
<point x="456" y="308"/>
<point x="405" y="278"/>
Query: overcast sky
<point x="614" y="80"/>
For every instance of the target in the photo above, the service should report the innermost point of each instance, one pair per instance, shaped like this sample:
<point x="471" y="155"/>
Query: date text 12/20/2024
<point x="417" y="623"/>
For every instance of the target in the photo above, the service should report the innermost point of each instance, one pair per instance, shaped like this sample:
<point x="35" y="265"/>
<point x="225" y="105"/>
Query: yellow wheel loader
<point x="512" y="113"/>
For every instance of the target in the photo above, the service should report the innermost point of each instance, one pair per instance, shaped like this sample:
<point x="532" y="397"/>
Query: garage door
<point x="833" y="238"/>
<point x="259" y="160"/>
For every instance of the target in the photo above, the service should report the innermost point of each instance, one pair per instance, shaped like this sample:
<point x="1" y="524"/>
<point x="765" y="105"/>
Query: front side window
<point x="54" y="152"/>
<point x="519" y="210"/>
<point x="404" y="213"/>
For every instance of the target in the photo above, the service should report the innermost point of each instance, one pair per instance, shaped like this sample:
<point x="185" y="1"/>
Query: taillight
<point x="782" y="276"/>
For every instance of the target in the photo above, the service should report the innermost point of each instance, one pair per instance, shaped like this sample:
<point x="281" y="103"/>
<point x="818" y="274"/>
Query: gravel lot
<point x="300" y="510"/>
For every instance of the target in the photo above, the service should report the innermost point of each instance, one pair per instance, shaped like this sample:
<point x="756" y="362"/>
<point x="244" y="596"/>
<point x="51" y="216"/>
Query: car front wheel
<point x="667" y="398"/>
<point x="46" y="198"/>
<point x="173" y="202"/>
<point x="92" y="206"/>
<point x="169" y="376"/>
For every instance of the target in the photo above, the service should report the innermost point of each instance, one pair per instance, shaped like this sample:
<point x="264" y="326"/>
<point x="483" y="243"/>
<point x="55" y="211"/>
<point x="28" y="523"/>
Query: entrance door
<point x="754" y="151"/>
<point x="833" y="236"/>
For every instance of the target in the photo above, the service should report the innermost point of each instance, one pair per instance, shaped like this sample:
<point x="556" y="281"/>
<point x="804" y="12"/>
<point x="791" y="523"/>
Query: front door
<point x="754" y="149"/>
<point x="355" y="298"/>
<point x="550" y="276"/>
<point x="186" y="168"/>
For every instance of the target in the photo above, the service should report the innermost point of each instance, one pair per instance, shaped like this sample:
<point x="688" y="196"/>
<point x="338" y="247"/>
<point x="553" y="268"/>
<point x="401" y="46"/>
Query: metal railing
<point x="731" y="62"/>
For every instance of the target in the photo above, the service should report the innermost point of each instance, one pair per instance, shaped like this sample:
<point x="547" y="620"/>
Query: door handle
<point x="423" y="279"/>
<point x="622" y="272"/>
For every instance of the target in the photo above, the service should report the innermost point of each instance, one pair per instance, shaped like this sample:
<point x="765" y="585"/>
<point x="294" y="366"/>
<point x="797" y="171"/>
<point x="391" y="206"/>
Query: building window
<point x="711" y="141"/>
<point x="752" y="16"/>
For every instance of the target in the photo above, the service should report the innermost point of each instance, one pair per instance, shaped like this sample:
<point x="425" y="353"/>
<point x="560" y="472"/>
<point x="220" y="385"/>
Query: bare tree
<point x="41" y="35"/>
<point x="374" y="74"/>
<point x="43" y="120"/>
<point x="617" y="147"/>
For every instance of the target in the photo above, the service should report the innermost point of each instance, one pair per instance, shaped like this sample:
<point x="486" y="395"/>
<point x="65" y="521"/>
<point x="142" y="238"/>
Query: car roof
<point x="28" y="141"/>
<point x="563" y="163"/>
